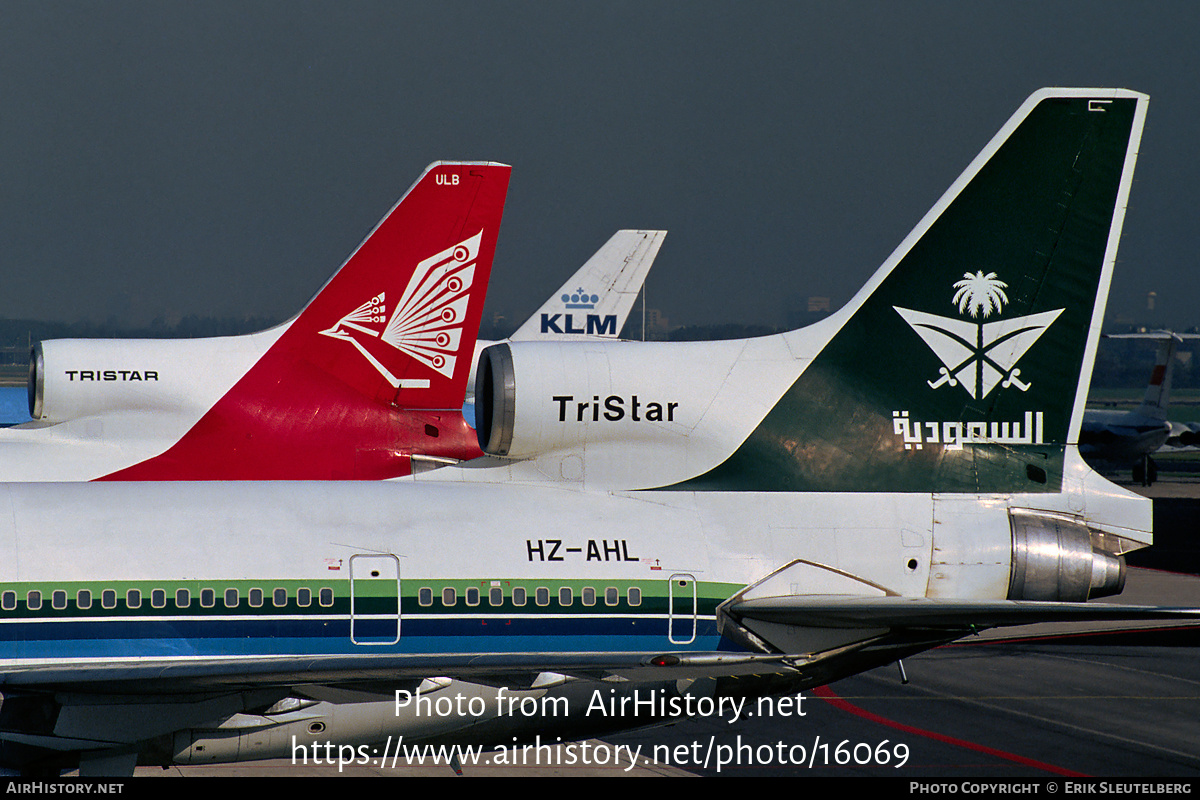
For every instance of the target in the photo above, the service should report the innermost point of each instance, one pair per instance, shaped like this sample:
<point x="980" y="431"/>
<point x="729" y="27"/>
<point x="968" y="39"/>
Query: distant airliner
<point x="1130" y="437"/>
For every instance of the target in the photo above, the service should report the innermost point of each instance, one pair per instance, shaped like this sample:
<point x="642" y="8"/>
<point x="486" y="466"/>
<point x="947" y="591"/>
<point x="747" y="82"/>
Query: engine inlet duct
<point x="1055" y="559"/>
<point x="495" y="400"/>
<point x="37" y="380"/>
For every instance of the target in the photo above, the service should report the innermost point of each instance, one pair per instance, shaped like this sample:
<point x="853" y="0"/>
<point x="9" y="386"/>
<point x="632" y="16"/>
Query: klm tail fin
<point x="393" y="330"/>
<point x="597" y="299"/>
<point x="964" y="363"/>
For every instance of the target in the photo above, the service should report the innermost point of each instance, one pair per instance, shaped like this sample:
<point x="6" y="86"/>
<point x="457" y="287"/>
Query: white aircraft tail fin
<point x="597" y="299"/>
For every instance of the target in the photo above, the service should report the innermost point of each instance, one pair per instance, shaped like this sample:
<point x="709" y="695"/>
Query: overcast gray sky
<point x="224" y="158"/>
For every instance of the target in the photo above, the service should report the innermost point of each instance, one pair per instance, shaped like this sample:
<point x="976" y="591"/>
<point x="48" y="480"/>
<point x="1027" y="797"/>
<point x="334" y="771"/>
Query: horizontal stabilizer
<point x="1154" y="336"/>
<point x="947" y="615"/>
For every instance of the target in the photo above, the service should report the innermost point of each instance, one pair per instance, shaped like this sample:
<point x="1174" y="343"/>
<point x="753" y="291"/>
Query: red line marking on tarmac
<point x="828" y="695"/>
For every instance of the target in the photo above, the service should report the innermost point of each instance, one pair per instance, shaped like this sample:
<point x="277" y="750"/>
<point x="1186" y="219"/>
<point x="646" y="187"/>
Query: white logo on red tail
<point x="428" y="318"/>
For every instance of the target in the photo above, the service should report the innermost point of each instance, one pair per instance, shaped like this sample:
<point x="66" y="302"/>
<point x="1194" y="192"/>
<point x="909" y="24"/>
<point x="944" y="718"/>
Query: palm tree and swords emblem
<point x="978" y="356"/>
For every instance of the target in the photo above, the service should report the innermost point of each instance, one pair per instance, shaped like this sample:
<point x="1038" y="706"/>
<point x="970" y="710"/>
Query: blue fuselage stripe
<point x="331" y="635"/>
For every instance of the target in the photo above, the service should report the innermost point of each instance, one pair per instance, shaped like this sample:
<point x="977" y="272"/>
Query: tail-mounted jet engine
<point x="74" y="378"/>
<point x="1058" y="558"/>
<point x="602" y="392"/>
<point x="495" y="400"/>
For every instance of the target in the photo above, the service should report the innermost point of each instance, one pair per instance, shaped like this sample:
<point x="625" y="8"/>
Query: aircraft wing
<point x="169" y="677"/>
<point x="928" y="614"/>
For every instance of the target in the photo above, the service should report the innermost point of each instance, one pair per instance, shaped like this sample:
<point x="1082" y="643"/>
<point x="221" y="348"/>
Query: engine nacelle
<point x="535" y="397"/>
<point x="74" y="378"/>
<point x="71" y="378"/>
<point x="1057" y="558"/>
<point x="495" y="400"/>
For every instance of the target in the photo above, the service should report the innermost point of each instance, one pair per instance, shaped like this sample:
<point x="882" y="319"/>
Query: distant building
<point x="807" y="311"/>
<point x="657" y="325"/>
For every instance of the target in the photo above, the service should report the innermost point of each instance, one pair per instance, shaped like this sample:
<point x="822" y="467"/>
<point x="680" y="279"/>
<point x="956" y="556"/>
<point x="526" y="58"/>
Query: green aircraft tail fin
<point x="963" y="365"/>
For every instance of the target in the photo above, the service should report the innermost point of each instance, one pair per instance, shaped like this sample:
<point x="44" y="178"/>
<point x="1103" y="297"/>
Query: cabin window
<point x="304" y="597"/>
<point x="256" y="598"/>
<point x="325" y="597"/>
<point x="449" y="596"/>
<point x="58" y="599"/>
<point x="589" y="596"/>
<point x="565" y="596"/>
<point x="519" y="596"/>
<point x="473" y="596"/>
<point x="183" y="598"/>
<point x="231" y="598"/>
<point x="33" y="600"/>
<point x="635" y="596"/>
<point x="8" y="601"/>
<point x="425" y="596"/>
<point x="158" y="598"/>
<point x="279" y="598"/>
<point x="208" y="598"/>
<point x="83" y="599"/>
<point x="611" y="596"/>
<point x="542" y="596"/>
<point x="108" y="598"/>
<point x="133" y="598"/>
<point x="496" y="596"/>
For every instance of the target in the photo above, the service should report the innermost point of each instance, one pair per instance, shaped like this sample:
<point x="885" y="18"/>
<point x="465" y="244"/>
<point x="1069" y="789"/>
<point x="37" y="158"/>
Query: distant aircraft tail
<point x="594" y="302"/>
<point x="1157" y="399"/>
<point x="1158" y="391"/>
<point x="393" y="329"/>
<point x="597" y="299"/>
<point x="964" y="363"/>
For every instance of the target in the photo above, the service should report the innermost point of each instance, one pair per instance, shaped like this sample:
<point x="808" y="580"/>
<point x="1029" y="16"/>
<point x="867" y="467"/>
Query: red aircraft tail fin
<point x="392" y="331"/>
<point x="410" y="298"/>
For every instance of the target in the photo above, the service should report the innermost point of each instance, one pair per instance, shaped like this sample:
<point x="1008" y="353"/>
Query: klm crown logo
<point x="580" y="299"/>
<point x="979" y="356"/>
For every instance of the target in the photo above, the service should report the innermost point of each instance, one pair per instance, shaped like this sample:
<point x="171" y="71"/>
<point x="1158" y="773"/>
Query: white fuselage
<point x="188" y="537"/>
